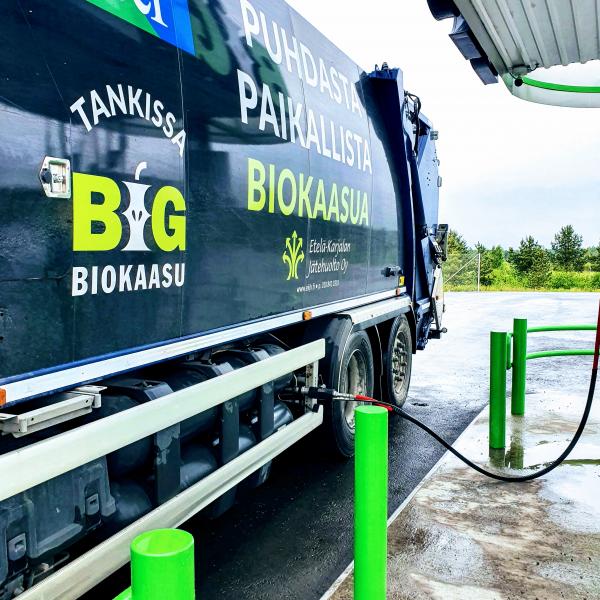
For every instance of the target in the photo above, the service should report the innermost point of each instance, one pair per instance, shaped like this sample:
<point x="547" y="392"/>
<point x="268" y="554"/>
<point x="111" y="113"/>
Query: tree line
<point x="567" y="264"/>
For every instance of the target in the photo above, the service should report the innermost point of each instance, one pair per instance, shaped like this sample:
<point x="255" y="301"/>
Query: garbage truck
<point x="205" y="206"/>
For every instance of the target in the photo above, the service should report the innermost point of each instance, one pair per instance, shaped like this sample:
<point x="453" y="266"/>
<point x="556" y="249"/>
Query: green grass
<point x="561" y="280"/>
<point x="505" y="279"/>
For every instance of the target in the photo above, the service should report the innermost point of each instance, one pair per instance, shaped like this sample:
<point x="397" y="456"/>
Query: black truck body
<point x="196" y="195"/>
<point x="212" y="186"/>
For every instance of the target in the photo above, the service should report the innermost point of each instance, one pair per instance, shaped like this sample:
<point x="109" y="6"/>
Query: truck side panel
<point x="237" y="268"/>
<point x="225" y="169"/>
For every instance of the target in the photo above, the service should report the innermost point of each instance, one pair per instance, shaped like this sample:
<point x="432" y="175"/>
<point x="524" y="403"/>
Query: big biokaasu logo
<point x="97" y="227"/>
<point x="112" y="217"/>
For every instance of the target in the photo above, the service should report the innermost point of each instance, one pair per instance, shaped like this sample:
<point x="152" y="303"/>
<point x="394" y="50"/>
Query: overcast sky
<point x="510" y="168"/>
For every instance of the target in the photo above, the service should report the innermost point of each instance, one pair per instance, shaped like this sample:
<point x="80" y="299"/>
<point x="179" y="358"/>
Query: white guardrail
<point x="32" y="465"/>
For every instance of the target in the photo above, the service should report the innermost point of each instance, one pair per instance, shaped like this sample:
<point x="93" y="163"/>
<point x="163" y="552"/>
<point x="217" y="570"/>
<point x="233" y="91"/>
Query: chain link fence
<point x="463" y="271"/>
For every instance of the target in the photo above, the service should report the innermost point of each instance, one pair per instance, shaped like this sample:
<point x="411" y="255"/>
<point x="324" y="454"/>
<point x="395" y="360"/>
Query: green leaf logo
<point x="293" y="255"/>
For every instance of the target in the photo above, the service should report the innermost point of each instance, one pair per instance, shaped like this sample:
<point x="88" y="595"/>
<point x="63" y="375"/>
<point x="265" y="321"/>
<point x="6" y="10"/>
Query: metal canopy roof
<point x="513" y="38"/>
<point x="519" y="36"/>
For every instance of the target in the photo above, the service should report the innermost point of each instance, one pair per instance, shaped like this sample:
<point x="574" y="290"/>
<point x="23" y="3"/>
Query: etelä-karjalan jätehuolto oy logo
<point x="293" y="255"/>
<point x="167" y="228"/>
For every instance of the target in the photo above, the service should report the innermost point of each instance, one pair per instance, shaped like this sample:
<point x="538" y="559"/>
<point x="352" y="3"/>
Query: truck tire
<point x="346" y="353"/>
<point x="356" y="375"/>
<point x="397" y="362"/>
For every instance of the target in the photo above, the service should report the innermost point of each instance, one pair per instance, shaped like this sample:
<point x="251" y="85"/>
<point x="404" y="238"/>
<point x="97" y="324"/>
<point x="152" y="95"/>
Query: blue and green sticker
<point x="168" y="20"/>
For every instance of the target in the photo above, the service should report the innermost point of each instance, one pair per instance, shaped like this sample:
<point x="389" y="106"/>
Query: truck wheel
<point x="398" y="362"/>
<point x="355" y="376"/>
<point x="347" y="367"/>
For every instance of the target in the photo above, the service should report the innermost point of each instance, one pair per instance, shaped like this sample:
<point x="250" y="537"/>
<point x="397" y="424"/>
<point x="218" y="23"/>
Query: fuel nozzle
<point x="323" y="394"/>
<point x="326" y="395"/>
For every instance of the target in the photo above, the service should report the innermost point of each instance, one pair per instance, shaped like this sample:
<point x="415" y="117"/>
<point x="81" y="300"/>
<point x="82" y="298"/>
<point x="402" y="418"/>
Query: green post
<point x="498" y="389"/>
<point x="162" y="566"/>
<point x="519" y="373"/>
<point x="370" y="503"/>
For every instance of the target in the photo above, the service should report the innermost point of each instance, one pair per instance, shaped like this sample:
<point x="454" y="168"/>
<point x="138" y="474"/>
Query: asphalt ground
<point x="292" y="537"/>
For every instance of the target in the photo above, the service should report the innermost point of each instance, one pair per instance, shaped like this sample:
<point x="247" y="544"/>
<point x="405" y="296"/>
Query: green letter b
<point x="85" y="213"/>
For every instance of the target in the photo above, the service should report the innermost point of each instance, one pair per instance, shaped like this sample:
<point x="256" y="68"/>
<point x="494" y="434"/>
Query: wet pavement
<point x="292" y="537"/>
<point x="464" y="536"/>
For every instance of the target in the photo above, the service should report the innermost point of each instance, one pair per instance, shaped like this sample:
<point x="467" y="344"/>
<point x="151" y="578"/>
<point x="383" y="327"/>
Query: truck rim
<point x="356" y="383"/>
<point x="399" y="362"/>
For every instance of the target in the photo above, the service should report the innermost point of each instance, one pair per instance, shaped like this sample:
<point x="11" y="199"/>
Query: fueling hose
<point x="324" y="394"/>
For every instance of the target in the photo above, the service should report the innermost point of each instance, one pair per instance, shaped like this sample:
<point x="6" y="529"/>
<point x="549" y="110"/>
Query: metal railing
<point x="162" y="561"/>
<point x="34" y="464"/>
<point x="508" y="350"/>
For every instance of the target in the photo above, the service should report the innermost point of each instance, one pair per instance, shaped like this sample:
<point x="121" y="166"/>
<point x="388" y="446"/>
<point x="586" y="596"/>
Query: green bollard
<point x="370" y="503"/>
<point x="162" y="566"/>
<point x="519" y="374"/>
<point x="497" y="389"/>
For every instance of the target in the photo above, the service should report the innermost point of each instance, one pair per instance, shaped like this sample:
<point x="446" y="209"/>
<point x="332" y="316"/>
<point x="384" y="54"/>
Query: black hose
<point x="498" y="477"/>
<point x="506" y="478"/>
